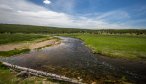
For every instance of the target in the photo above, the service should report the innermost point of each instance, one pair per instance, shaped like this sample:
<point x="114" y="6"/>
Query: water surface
<point x="73" y="59"/>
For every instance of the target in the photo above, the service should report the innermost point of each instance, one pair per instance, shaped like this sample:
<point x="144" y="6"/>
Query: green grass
<point x="6" y="77"/>
<point x="22" y="38"/>
<point x="118" y="46"/>
<point x="13" y="52"/>
<point x="17" y="38"/>
<point x="13" y="38"/>
<point x="9" y="77"/>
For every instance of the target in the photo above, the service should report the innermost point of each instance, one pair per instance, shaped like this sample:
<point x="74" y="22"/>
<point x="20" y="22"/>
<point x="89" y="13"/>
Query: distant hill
<point x="14" y="28"/>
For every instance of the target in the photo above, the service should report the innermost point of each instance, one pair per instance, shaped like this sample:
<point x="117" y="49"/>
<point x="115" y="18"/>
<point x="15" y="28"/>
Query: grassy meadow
<point x="14" y="28"/>
<point x="18" y="37"/>
<point x="13" y="52"/>
<point x="117" y="46"/>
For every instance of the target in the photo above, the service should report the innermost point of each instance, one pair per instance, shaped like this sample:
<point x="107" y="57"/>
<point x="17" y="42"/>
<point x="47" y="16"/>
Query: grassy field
<point x="118" y="46"/>
<point x="13" y="38"/>
<point x="14" y="28"/>
<point x="13" y="52"/>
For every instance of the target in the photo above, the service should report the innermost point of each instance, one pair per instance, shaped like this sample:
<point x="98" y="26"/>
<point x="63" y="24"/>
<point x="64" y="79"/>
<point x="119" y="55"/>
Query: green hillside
<point x="13" y="28"/>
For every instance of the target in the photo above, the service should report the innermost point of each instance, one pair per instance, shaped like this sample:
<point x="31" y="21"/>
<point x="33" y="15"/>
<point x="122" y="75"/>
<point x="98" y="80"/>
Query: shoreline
<point x="11" y="49"/>
<point x="28" y="45"/>
<point x="113" y="51"/>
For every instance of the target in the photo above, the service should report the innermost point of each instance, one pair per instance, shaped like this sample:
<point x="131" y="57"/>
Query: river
<point x="73" y="59"/>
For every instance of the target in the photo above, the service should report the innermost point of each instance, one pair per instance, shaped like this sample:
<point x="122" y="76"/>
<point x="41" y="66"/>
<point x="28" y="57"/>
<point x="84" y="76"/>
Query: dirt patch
<point x="28" y="45"/>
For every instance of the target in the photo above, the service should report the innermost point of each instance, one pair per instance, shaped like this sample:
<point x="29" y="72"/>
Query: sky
<point x="89" y="14"/>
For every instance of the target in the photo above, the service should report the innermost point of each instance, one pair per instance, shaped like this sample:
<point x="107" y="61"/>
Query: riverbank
<point x="29" y="45"/>
<point x="14" y="45"/>
<point x="115" y="46"/>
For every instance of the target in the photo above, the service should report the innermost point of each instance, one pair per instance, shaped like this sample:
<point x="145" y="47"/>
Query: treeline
<point x="13" y="28"/>
<point x="122" y="31"/>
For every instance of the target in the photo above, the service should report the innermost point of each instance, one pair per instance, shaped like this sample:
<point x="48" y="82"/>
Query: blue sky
<point x="92" y="14"/>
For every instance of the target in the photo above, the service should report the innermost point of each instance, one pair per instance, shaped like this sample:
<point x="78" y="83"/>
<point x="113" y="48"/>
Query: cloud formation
<point x="25" y="12"/>
<point x="46" y="2"/>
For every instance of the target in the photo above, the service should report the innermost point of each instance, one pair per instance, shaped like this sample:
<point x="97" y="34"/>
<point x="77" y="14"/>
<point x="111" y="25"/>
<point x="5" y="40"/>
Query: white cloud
<point x="25" y="12"/>
<point x="46" y="2"/>
<point x="117" y="14"/>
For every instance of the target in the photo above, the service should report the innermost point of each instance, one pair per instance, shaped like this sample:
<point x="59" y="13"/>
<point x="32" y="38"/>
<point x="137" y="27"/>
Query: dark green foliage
<point x="9" y="28"/>
<point x="3" y="66"/>
<point x="9" y="38"/>
<point x="12" y="28"/>
<point x="13" y="52"/>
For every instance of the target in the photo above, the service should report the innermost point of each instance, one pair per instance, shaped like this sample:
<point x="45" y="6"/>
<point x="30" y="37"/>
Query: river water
<point x="73" y="59"/>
